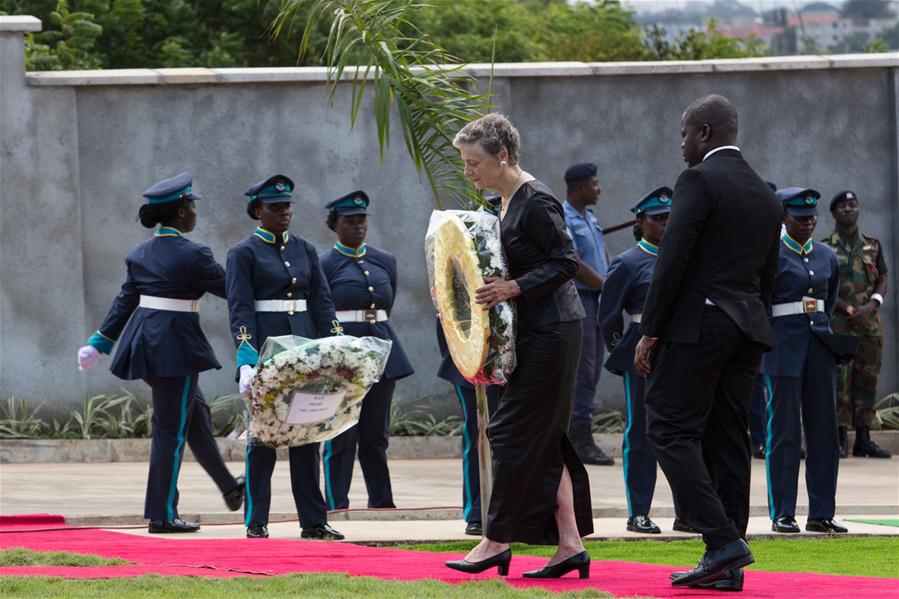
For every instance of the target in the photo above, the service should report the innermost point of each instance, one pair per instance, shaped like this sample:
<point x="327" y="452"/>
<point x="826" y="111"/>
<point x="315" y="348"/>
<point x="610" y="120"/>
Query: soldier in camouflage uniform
<point x="863" y="283"/>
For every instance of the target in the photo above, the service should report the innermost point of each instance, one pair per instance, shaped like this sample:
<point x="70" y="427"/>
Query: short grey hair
<point x="493" y="132"/>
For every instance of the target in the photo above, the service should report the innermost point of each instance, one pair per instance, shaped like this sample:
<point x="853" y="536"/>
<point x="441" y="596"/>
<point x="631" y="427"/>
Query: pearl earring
<point x="503" y="163"/>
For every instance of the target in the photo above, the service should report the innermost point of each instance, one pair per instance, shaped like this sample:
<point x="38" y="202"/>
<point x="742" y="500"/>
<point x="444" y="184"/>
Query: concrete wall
<point x="78" y="148"/>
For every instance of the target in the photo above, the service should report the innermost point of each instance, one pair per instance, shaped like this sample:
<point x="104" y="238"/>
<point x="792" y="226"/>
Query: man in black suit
<point x="705" y="326"/>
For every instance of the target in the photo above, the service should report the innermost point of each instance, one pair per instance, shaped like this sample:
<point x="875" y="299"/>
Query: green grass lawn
<point x="18" y="556"/>
<point x="856" y="556"/>
<point x="326" y="586"/>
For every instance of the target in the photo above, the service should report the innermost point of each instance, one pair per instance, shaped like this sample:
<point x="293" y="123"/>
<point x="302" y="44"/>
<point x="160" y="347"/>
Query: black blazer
<point x="541" y="258"/>
<point x="721" y="244"/>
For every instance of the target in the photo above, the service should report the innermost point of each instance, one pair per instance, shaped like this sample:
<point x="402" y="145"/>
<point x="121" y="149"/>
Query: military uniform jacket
<point x="367" y="283"/>
<point x="625" y="290"/>
<point x="163" y="343"/>
<point x="263" y="268"/>
<point x="861" y="264"/>
<point x="815" y="274"/>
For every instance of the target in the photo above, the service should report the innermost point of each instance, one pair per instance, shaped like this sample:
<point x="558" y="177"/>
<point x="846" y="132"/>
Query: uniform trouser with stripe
<point x="638" y="456"/>
<point x="304" y="482"/>
<point x="173" y="405"/>
<point x="202" y="444"/>
<point x="371" y="436"/>
<point x="808" y="401"/>
<point x="471" y="473"/>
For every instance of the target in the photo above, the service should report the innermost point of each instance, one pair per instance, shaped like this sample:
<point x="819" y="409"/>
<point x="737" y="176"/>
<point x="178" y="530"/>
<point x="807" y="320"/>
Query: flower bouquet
<point x="462" y="248"/>
<point x="311" y="390"/>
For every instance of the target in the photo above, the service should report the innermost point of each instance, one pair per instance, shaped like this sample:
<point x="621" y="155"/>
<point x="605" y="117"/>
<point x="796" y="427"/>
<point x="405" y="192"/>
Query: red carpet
<point x="256" y="557"/>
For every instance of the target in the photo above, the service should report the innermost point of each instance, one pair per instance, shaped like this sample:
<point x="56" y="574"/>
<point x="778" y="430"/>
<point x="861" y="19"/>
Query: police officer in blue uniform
<point x="800" y="372"/>
<point x="164" y="345"/>
<point x="275" y="286"/>
<point x="624" y="290"/>
<point x="363" y="282"/>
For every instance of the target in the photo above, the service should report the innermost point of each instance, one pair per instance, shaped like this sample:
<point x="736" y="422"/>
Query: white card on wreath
<point x="312" y="407"/>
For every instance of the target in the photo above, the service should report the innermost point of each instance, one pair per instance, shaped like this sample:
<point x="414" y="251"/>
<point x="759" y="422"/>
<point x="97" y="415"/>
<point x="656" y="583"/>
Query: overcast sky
<point x="758" y="5"/>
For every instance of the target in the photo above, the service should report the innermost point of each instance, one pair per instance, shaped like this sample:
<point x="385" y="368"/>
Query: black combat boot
<point x="582" y="440"/>
<point x="865" y="447"/>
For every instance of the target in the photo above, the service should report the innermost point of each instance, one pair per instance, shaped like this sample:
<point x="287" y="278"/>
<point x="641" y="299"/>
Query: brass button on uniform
<point x="289" y="294"/>
<point x="810" y="290"/>
<point x="372" y="306"/>
<point x="286" y="263"/>
<point x="805" y="260"/>
<point x="811" y="272"/>
<point x="293" y="280"/>
<point x="282" y="248"/>
<point x="367" y="273"/>
<point x="371" y="288"/>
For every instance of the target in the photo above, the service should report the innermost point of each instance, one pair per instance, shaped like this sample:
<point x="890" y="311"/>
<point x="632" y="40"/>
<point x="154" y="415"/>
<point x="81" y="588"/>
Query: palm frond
<point x="377" y="42"/>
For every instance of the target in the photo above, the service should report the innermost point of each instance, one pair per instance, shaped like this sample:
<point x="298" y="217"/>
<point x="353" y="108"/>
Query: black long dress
<point x="528" y="432"/>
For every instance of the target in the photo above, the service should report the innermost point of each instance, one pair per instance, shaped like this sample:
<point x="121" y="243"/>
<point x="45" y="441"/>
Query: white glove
<point x="247" y="373"/>
<point x="87" y="357"/>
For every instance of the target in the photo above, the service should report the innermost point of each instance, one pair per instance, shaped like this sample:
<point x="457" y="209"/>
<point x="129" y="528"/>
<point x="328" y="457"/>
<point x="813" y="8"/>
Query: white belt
<point x="636" y="318"/>
<point x="808" y="305"/>
<point x="290" y="306"/>
<point x="169" y="303"/>
<point x="369" y="316"/>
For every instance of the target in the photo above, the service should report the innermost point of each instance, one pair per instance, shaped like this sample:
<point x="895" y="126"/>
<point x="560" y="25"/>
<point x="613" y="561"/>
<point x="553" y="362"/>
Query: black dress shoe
<point x="257" y="531"/>
<point x="234" y="497"/>
<point x="474" y="529"/>
<point x="681" y="526"/>
<point x="321" y="533"/>
<point x="730" y="580"/>
<point x="715" y="562"/>
<point x="828" y="525"/>
<point x="168" y="526"/>
<point x="785" y="525"/>
<point x="579" y="561"/>
<point x="501" y="560"/>
<point x="643" y="524"/>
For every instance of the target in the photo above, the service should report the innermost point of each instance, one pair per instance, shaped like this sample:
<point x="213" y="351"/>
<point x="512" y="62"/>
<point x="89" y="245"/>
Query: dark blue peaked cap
<point x="276" y="188"/>
<point x="799" y="201"/>
<point x="351" y="204"/>
<point x="171" y="190"/>
<point x="656" y="201"/>
<point x="579" y="172"/>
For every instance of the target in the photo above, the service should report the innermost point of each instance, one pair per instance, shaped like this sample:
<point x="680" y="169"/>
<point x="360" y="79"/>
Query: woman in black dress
<point x="541" y="494"/>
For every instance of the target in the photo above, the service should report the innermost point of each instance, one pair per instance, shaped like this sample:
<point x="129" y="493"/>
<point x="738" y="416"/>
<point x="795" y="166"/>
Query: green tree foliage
<point x="238" y="33"/>
<point x="699" y="44"/>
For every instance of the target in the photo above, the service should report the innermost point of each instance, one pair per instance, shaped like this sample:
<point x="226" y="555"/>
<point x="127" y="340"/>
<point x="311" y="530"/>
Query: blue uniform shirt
<point x="366" y="280"/>
<point x="624" y="289"/>
<point x="809" y="271"/>
<point x="161" y="343"/>
<point x="586" y="234"/>
<point x="262" y="267"/>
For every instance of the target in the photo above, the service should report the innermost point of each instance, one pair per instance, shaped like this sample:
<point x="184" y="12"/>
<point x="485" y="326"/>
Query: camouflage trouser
<point x="857" y="383"/>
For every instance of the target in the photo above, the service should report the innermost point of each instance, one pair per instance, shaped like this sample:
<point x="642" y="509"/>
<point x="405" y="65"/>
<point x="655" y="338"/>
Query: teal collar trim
<point x="351" y="252"/>
<point x="167" y="232"/>
<point x="799" y="248"/>
<point x="269" y="237"/>
<point x="648" y="247"/>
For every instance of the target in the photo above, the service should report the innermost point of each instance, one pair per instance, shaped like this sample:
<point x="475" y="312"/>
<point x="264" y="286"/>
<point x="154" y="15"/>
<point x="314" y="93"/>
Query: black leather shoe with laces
<point x="785" y="525"/>
<point x="643" y="524"/>
<point x="828" y="525"/>
<point x="170" y="526"/>
<point x="715" y="562"/>
<point x="321" y="533"/>
<point x="234" y="497"/>
<point x="257" y="531"/>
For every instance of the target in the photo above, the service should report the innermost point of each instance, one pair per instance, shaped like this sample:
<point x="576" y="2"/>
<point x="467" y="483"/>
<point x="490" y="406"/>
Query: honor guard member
<point x="276" y="287"/>
<point x="164" y="345"/>
<point x="363" y="282"/>
<point x="800" y="372"/>
<point x="624" y="290"/>
<point x="593" y="262"/>
<point x="465" y="393"/>
<point x="863" y="284"/>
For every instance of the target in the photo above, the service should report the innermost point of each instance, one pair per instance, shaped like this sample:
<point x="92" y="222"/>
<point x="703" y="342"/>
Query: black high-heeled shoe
<point x="579" y="562"/>
<point x="501" y="560"/>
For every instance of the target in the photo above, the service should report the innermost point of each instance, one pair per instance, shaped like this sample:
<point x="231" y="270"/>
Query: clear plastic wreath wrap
<point x="463" y="247"/>
<point x="311" y="390"/>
